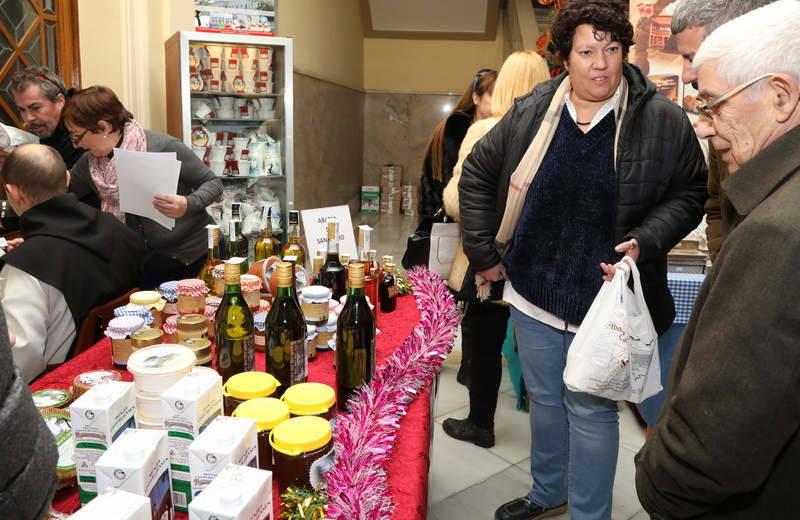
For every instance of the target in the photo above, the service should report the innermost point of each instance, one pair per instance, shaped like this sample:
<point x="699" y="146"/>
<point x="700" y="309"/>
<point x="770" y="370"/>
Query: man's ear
<point x="785" y="96"/>
<point x="60" y="101"/>
<point x="14" y="194"/>
<point x="69" y="178"/>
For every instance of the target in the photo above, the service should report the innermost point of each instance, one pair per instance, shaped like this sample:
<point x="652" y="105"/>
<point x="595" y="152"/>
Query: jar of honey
<point x="251" y="289"/>
<point x="192" y="326"/>
<point x="219" y="279"/>
<point x="302" y="448"/>
<point x="315" y="300"/>
<point x="260" y="323"/>
<point x="311" y="399"/>
<point x="170" y="328"/>
<point x="153" y="301"/>
<point x="201" y="348"/>
<point x="268" y="413"/>
<point x="120" y="330"/>
<point x="245" y="386"/>
<point x="192" y="296"/>
<point x="146" y="337"/>
<point x="169" y="292"/>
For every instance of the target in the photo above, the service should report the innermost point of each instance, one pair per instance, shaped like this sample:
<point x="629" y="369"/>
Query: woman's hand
<point x="172" y="206"/>
<point x="630" y="248"/>
<point x="495" y="274"/>
<point x="14" y="242"/>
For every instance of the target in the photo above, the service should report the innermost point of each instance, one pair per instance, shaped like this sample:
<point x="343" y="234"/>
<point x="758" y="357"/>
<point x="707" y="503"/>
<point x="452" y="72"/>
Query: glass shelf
<point x="206" y="93"/>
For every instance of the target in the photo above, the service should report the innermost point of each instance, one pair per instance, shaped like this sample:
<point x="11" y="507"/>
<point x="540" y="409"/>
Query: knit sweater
<point x="564" y="230"/>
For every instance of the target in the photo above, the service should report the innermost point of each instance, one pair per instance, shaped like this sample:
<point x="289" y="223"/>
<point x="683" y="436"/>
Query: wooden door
<point x="37" y="32"/>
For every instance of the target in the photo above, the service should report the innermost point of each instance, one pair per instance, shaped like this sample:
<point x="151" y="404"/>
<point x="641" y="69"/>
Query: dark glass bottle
<point x="213" y="259"/>
<point x="372" y="278"/>
<point x="333" y="275"/>
<point x="316" y="267"/>
<point x="285" y="334"/>
<point x="355" y="339"/>
<point x="238" y="245"/>
<point x="234" y="330"/>
<point x="293" y="247"/>
<point x="266" y="245"/>
<point x="388" y="289"/>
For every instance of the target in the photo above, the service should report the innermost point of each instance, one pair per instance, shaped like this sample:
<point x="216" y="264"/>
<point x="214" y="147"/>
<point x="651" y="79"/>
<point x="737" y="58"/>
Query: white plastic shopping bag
<point x="615" y="352"/>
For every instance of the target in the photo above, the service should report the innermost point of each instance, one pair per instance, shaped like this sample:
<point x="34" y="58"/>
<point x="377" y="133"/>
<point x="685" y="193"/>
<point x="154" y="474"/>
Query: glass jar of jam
<point x="120" y="330"/>
<point x="315" y="300"/>
<point x="245" y="386"/>
<point x="192" y="326"/>
<point x="153" y="301"/>
<point x="192" y="296"/>
<point x="169" y="291"/>
<point x="170" y="328"/>
<point x="145" y="338"/>
<point x="268" y="413"/>
<point x="201" y="348"/>
<point x="251" y="289"/>
<point x="302" y="448"/>
<point x="260" y="323"/>
<point x="311" y="399"/>
<point x="219" y="279"/>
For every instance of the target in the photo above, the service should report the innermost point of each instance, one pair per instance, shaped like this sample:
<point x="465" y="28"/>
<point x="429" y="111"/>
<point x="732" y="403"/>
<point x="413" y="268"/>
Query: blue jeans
<point x="575" y="436"/>
<point x="651" y="407"/>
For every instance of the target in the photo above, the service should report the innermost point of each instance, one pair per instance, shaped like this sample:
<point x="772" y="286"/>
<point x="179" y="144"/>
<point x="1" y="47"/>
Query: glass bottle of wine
<point x="372" y="278"/>
<point x="316" y="264"/>
<point x="238" y="246"/>
<point x="355" y="339"/>
<point x="213" y="259"/>
<point x="333" y="275"/>
<point x="234" y="331"/>
<point x="293" y="247"/>
<point x="266" y="245"/>
<point x="388" y="289"/>
<point x="285" y="333"/>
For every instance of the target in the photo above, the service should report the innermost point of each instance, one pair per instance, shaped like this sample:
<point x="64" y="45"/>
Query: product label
<point x="299" y="360"/>
<point x="261" y="340"/>
<point x="249" y="353"/>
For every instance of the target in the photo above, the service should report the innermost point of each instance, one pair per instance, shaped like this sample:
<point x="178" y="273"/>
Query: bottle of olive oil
<point x="213" y="259"/>
<point x="266" y="245"/>
<point x="234" y="331"/>
<point x="238" y="246"/>
<point x="285" y="333"/>
<point x="355" y="339"/>
<point x="293" y="247"/>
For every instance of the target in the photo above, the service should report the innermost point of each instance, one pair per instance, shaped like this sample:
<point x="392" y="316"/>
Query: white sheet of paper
<point x="11" y="137"/>
<point x="315" y="226"/>
<point x="141" y="175"/>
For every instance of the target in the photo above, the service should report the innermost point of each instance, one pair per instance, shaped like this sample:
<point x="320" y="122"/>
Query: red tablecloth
<point x="408" y="470"/>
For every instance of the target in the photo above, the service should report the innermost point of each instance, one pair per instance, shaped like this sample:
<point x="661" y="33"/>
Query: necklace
<point x="583" y="124"/>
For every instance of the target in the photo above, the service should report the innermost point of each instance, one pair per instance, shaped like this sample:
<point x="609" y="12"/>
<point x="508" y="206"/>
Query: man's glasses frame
<point x="704" y="108"/>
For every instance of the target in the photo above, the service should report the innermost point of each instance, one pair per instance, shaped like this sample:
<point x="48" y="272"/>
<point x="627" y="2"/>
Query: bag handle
<point x="637" y="281"/>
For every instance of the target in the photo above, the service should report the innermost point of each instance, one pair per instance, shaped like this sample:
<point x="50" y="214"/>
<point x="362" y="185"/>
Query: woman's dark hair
<point x="91" y="105"/>
<point x="606" y="16"/>
<point x="482" y="82"/>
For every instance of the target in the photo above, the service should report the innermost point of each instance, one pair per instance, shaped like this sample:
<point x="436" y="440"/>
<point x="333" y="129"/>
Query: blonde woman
<point x="483" y="328"/>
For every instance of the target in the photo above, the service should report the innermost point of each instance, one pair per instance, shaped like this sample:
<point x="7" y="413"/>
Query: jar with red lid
<point x="251" y="289"/>
<point x="170" y="328"/>
<point x="192" y="296"/>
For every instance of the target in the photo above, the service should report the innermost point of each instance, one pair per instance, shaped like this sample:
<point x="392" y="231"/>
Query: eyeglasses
<point x="37" y="74"/>
<point x="704" y="109"/>
<point x="76" y="140"/>
<point x="478" y="75"/>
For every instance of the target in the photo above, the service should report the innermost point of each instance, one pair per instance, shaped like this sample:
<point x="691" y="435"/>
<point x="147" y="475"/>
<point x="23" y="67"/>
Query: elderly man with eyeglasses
<point x="727" y="444"/>
<point x="40" y="96"/>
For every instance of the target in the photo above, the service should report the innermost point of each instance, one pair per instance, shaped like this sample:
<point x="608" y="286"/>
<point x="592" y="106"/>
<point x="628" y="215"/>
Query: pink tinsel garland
<point x="364" y="439"/>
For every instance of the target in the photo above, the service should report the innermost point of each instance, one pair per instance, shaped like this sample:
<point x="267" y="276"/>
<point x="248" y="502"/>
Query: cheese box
<point x="115" y="504"/>
<point x="238" y="493"/>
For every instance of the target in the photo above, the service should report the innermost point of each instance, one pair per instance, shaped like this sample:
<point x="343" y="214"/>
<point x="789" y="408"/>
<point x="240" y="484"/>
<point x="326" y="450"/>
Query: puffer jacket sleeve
<point x="477" y="192"/>
<point x="681" y="208"/>
<point x="28" y="480"/>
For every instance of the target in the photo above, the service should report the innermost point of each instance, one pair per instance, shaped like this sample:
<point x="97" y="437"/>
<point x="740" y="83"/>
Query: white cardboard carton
<point x="98" y="417"/>
<point x="188" y="407"/>
<point x="238" y="493"/>
<point x="138" y="462"/>
<point x="227" y="440"/>
<point x="115" y="504"/>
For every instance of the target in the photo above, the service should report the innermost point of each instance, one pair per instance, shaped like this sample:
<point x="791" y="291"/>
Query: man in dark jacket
<point x="727" y="443"/>
<point x="74" y="257"/>
<point x="28" y="479"/>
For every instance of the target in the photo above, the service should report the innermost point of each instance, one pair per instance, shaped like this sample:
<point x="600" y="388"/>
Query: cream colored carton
<point x="98" y="417"/>
<point x="115" y="504"/>
<point x="227" y="440"/>
<point x="238" y="493"/>
<point x="188" y="407"/>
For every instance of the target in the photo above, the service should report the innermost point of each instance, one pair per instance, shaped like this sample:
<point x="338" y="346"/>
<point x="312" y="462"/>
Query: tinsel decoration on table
<point x="364" y="439"/>
<point x="403" y="285"/>
<point x="303" y="504"/>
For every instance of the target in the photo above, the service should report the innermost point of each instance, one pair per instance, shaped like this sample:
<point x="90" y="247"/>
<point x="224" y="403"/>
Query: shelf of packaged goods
<point x="258" y="177"/>
<point x="215" y="121"/>
<point x="206" y="93"/>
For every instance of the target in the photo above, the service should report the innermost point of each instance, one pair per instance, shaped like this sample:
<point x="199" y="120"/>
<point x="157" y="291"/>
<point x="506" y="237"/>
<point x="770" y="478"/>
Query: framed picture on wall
<point x="251" y="17"/>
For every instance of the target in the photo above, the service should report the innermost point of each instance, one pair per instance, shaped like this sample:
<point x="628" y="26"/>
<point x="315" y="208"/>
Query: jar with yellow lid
<point x="268" y="413"/>
<point x="192" y="296"/>
<point x="153" y="301"/>
<point x="192" y="326"/>
<point x="311" y="399"/>
<point x="201" y="348"/>
<point x="244" y="386"/>
<point x="170" y="328"/>
<point x="302" y="448"/>
<point x="146" y="337"/>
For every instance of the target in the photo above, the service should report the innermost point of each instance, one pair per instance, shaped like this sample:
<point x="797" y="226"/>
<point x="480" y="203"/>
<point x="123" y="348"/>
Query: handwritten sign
<point x="315" y="225"/>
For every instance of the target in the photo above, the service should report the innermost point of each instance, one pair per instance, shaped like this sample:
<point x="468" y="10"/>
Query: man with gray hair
<point x="692" y="22"/>
<point x="727" y="444"/>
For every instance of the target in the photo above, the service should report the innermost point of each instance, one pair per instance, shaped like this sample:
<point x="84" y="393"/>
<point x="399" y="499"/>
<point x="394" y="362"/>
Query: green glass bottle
<point x="213" y="259"/>
<point x="234" y="330"/>
<point x="285" y="333"/>
<point x="355" y="339"/>
<point x="238" y="245"/>
<point x="266" y="245"/>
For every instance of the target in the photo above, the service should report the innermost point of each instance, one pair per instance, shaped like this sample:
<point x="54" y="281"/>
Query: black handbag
<point x="418" y="246"/>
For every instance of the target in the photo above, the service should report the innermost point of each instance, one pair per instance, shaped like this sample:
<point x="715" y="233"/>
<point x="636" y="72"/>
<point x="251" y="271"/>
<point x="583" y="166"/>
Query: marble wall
<point x="328" y="143"/>
<point x="397" y="127"/>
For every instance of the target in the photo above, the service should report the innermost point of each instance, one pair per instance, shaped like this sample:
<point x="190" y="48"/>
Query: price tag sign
<point x="315" y="225"/>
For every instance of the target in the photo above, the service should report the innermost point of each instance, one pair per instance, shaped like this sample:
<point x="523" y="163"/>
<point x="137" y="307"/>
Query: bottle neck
<point x="284" y="293"/>
<point x="333" y="248"/>
<point x="293" y="234"/>
<point x="232" y="288"/>
<point x="356" y="291"/>
<point x="213" y="252"/>
<point x="266" y="224"/>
